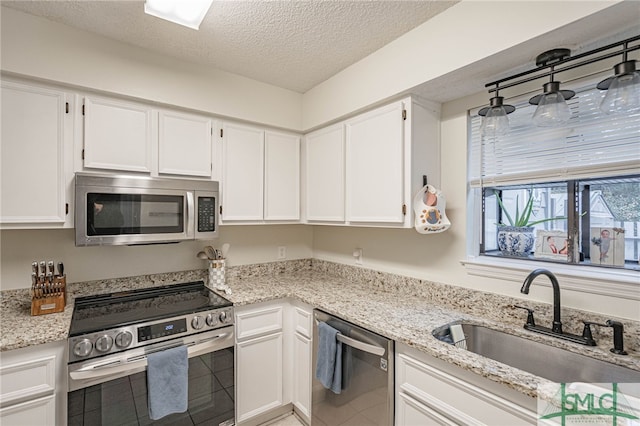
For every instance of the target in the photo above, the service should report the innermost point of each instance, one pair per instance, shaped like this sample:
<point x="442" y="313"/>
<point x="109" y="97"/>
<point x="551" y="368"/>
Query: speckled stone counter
<point x="404" y="309"/>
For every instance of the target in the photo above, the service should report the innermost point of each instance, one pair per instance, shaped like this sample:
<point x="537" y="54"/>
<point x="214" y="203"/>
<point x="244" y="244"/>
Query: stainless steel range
<point x="111" y="335"/>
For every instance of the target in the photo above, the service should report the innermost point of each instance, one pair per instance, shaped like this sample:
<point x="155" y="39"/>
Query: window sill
<point x="608" y="281"/>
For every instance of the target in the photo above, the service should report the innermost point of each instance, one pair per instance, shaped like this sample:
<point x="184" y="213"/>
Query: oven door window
<point x="117" y="214"/>
<point x="123" y="401"/>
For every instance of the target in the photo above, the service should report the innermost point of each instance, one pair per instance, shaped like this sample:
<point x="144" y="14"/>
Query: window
<point x="586" y="174"/>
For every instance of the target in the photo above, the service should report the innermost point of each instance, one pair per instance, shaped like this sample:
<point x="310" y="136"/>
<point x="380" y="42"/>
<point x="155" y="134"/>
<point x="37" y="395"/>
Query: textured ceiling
<point x="294" y="44"/>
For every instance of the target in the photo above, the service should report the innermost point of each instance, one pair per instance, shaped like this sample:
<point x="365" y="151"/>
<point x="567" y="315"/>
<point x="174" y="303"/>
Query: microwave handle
<point x="191" y="215"/>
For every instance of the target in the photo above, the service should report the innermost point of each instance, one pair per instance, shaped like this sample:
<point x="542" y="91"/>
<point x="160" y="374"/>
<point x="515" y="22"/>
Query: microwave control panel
<point x="206" y="214"/>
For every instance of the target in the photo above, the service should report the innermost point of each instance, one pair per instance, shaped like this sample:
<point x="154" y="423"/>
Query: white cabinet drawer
<point x="41" y="412"/>
<point x="456" y="399"/>
<point x="302" y="322"/>
<point x="27" y="380"/>
<point x="258" y="322"/>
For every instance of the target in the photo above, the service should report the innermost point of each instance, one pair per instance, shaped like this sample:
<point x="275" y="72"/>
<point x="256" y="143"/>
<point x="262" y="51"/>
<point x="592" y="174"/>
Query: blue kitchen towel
<point x="167" y="382"/>
<point x="329" y="362"/>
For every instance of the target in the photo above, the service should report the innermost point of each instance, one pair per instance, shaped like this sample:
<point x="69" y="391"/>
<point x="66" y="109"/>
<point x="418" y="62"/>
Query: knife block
<point x="50" y="299"/>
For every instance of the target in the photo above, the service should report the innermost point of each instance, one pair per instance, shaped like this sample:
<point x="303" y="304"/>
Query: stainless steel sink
<point x="555" y="364"/>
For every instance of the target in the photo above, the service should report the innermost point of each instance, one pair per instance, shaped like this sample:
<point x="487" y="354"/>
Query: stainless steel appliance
<point x="126" y="210"/>
<point x="367" y="378"/>
<point x="111" y="335"/>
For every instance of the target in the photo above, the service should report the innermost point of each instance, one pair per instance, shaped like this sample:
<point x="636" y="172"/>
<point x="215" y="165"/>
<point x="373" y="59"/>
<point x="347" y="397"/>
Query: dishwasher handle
<point x="357" y="344"/>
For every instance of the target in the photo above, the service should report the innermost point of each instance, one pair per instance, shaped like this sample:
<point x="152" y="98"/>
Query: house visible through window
<point x="585" y="174"/>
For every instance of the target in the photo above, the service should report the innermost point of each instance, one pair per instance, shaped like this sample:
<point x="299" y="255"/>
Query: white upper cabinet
<point x="324" y="160"/>
<point x="117" y="135"/>
<point x="184" y="145"/>
<point x="365" y="170"/>
<point x="375" y="166"/>
<point x="282" y="176"/>
<point x="242" y="172"/>
<point x="36" y="170"/>
<point x="260" y="175"/>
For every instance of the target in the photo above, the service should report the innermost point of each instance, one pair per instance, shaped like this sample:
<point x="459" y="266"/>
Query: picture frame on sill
<point x="551" y="245"/>
<point x="607" y="246"/>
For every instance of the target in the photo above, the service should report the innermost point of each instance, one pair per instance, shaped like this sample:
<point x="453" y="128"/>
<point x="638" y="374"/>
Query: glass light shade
<point x="495" y="122"/>
<point x="552" y="110"/>
<point x="623" y="94"/>
<point x="188" y="13"/>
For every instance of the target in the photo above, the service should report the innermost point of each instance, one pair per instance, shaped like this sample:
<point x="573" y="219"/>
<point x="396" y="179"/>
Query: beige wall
<point x="249" y="244"/>
<point x="460" y="36"/>
<point x="44" y="49"/>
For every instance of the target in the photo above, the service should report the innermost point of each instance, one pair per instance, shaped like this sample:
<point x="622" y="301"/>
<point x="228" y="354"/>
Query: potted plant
<point x="516" y="238"/>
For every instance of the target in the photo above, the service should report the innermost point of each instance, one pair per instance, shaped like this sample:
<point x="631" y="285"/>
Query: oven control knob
<point x="124" y="339"/>
<point x="223" y="317"/>
<point x="197" y="322"/>
<point x="83" y="347"/>
<point x="104" y="343"/>
<point x="212" y="320"/>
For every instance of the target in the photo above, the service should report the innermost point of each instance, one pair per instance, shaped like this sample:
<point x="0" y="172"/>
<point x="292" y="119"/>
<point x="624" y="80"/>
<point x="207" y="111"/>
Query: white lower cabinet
<point x="33" y="386"/>
<point x="260" y="382"/>
<point x="430" y="391"/>
<point x="302" y="368"/>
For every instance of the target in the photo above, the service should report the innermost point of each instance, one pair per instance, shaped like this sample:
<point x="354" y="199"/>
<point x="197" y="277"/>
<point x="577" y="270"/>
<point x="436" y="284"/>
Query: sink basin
<point x="555" y="364"/>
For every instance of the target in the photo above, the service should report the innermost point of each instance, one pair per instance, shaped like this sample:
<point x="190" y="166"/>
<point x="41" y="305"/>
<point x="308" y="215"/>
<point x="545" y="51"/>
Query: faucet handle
<point x="618" y="334"/>
<point x="586" y="332"/>
<point x="530" y="320"/>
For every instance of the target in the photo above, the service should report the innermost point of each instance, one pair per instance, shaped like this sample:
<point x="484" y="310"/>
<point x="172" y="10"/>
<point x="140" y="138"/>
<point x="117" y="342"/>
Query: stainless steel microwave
<point x="129" y="210"/>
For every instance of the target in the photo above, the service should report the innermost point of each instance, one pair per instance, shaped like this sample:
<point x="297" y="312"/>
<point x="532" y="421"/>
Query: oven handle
<point x="365" y="347"/>
<point x="94" y="371"/>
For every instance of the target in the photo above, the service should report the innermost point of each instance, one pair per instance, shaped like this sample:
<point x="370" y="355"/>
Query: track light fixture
<point x="552" y="103"/>
<point x="495" y="121"/>
<point x="623" y="88"/>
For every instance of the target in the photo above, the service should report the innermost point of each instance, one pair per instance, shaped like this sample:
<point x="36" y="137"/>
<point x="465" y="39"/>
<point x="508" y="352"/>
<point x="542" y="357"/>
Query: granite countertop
<point x="404" y="309"/>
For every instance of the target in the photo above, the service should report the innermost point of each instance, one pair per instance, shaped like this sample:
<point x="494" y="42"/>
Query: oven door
<point x="112" y="390"/>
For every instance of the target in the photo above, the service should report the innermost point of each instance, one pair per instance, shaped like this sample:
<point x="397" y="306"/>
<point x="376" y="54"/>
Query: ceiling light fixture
<point x="552" y="103"/>
<point x="188" y="13"/>
<point x="623" y="88"/>
<point x="495" y="121"/>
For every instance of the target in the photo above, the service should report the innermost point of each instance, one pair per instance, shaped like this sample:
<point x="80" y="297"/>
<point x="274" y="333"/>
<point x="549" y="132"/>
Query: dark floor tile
<point x="221" y="404"/>
<point x="75" y="402"/>
<point x="225" y="377"/>
<point x="217" y="420"/>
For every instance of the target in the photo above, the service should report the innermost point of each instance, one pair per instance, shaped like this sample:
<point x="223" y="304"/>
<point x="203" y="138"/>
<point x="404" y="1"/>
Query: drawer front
<point x="41" y="412"/>
<point x="27" y="380"/>
<point x="258" y="322"/>
<point x="302" y="322"/>
<point x="456" y="399"/>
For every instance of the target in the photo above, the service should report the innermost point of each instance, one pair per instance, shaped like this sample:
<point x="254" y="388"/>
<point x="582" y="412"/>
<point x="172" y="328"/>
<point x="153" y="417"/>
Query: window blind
<point x="591" y="144"/>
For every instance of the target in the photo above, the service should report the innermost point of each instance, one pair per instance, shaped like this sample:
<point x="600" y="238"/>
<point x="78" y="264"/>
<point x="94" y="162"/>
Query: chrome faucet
<point x="557" y="324"/>
<point x="556" y="329"/>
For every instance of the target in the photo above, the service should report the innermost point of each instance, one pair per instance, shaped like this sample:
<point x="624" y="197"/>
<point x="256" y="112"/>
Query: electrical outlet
<point x="282" y="252"/>
<point x="357" y="255"/>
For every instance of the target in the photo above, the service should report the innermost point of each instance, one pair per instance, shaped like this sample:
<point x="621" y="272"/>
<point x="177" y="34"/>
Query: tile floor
<point x="289" y="420"/>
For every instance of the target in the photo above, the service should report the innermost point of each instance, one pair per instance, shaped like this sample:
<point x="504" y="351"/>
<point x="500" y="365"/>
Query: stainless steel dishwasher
<point x="367" y="378"/>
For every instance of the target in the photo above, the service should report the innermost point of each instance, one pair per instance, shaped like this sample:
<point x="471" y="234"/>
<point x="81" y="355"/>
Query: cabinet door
<point x="325" y="183"/>
<point x="242" y="172"/>
<point x="35" y="126"/>
<point x="375" y="166"/>
<point x="117" y="135"/>
<point x="302" y="374"/>
<point x="184" y="144"/>
<point x="282" y="177"/>
<point x="259" y="376"/>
